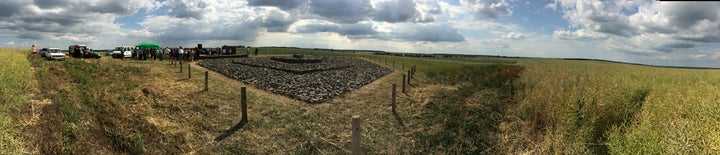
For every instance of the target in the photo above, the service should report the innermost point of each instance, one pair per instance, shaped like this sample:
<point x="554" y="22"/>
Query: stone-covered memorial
<point x="313" y="79"/>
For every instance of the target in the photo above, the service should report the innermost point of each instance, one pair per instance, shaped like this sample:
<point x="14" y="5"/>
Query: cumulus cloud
<point x="691" y="21"/>
<point x="514" y="35"/>
<point x="642" y="27"/>
<point x="428" y="32"/>
<point x="366" y="30"/>
<point x="275" y="20"/>
<point x="598" y="16"/>
<point x="312" y="26"/>
<point x="282" y="4"/>
<point x="487" y="9"/>
<point x="427" y="9"/>
<point x="30" y="35"/>
<point x="44" y="19"/>
<point x="395" y="11"/>
<point x="50" y="4"/>
<point x="343" y="11"/>
<point x="189" y="8"/>
<point x="582" y="34"/>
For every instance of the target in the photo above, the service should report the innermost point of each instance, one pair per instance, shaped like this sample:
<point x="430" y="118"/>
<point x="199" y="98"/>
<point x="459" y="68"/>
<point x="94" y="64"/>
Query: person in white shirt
<point x="181" y="52"/>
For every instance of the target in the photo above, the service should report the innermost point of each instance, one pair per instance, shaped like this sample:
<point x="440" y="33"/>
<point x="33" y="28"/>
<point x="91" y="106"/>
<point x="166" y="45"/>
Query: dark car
<point x="44" y="51"/>
<point x="91" y="55"/>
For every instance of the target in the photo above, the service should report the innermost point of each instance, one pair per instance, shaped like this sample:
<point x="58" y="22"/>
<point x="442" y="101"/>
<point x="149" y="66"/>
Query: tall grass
<point x="466" y="120"/>
<point x="599" y="107"/>
<point x="90" y="96"/>
<point x="16" y="79"/>
<point x="454" y="106"/>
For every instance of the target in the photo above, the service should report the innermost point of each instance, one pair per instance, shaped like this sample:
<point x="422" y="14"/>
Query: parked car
<point x="77" y="51"/>
<point x="55" y="54"/>
<point x="91" y="55"/>
<point x="43" y="51"/>
<point x="123" y="51"/>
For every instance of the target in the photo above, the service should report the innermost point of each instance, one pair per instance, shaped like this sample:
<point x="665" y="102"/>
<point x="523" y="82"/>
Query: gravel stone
<point x="312" y="82"/>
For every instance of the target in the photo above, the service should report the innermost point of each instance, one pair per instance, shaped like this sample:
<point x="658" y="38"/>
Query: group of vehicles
<point x="75" y="51"/>
<point x="121" y="52"/>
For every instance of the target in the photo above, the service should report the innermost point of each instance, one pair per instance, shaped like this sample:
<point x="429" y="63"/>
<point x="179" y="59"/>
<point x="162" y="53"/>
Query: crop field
<point x="481" y="105"/>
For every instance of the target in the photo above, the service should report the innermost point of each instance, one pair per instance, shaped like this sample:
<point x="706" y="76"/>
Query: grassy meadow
<point x="569" y="106"/>
<point x="454" y="105"/>
<point x="16" y="79"/>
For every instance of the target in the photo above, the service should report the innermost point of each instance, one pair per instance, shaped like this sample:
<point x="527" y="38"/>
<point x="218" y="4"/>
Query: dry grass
<point x="561" y="107"/>
<point x="109" y="105"/>
<point x="599" y="107"/>
<point x="16" y="82"/>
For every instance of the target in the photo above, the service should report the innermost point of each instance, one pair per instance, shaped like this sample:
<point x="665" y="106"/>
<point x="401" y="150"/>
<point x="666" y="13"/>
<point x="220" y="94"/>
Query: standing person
<point x="162" y="54"/>
<point x="247" y="51"/>
<point x="32" y="49"/>
<point x="85" y="52"/>
<point x="132" y="54"/>
<point x="191" y="55"/>
<point x="197" y="53"/>
<point x="180" y="53"/>
<point x="173" y="53"/>
<point x="256" y="50"/>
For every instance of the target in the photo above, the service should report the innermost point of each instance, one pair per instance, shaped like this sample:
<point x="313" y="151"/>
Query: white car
<point x="122" y="51"/>
<point x="55" y="54"/>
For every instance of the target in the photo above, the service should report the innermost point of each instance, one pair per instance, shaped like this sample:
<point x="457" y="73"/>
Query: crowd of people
<point x="174" y="53"/>
<point x="193" y="54"/>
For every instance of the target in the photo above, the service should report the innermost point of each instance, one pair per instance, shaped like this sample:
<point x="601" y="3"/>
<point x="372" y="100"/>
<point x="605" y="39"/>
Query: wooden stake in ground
<point x="394" y="94"/>
<point x="180" y="63"/>
<point x="243" y="104"/>
<point x="189" y="71"/>
<point x="403" y="84"/>
<point x="355" y="140"/>
<point x="409" y="77"/>
<point x="206" y="80"/>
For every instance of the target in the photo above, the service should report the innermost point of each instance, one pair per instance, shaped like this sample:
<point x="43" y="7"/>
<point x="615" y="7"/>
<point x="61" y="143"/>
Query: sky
<point x="648" y="32"/>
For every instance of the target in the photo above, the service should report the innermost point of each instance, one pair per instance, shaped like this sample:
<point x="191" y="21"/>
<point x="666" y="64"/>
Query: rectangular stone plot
<point x="307" y="78"/>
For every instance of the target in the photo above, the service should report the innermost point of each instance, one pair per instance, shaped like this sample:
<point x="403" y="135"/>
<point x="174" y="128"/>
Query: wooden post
<point x="189" y="71"/>
<point x="243" y="104"/>
<point x="414" y="69"/>
<point x="394" y="94"/>
<point x="180" y="64"/>
<point x="409" y="77"/>
<point x="403" y="84"/>
<point x="355" y="139"/>
<point x="412" y="73"/>
<point x="206" y="80"/>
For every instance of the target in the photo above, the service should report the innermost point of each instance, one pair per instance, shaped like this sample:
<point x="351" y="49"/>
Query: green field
<point x="482" y="105"/>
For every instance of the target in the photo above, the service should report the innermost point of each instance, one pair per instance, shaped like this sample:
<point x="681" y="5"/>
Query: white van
<point x="123" y="51"/>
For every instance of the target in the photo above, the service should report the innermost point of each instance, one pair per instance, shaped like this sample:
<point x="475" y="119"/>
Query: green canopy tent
<point x="152" y="49"/>
<point x="148" y="45"/>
